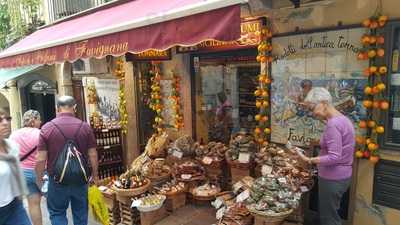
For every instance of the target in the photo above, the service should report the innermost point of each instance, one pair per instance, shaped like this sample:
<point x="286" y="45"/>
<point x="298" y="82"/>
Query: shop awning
<point x="12" y="73"/>
<point x="135" y="26"/>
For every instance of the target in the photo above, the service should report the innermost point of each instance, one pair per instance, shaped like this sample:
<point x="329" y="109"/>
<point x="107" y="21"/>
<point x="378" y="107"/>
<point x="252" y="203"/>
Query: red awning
<point x="134" y="27"/>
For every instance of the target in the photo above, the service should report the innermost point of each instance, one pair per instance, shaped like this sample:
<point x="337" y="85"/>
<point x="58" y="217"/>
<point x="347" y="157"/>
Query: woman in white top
<point x="12" y="183"/>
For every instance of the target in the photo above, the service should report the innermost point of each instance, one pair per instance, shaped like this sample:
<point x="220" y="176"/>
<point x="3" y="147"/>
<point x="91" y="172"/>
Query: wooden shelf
<point x="105" y="147"/>
<point x="106" y="130"/>
<point x="110" y="163"/>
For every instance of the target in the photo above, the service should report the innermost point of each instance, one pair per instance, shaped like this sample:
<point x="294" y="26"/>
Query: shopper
<point x="28" y="138"/>
<point x="63" y="137"/>
<point x="12" y="183"/>
<point x="336" y="155"/>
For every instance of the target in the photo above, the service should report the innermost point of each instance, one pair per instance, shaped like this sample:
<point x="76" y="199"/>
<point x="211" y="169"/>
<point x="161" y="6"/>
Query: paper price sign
<point x="207" y="160"/>
<point x="177" y="154"/>
<point x="304" y="189"/>
<point x="244" y="157"/>
<point x="265" y="170"/>
<point x="243" y="196"/>
<point x="220" y="213"/>
<point x="218" y="203"/>
<point x="237" y="186"/>
<point x="282" y="180"/>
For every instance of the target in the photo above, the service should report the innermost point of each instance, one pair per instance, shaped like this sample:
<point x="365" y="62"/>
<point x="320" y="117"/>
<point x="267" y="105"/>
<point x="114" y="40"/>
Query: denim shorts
<point x="30" y="177"/>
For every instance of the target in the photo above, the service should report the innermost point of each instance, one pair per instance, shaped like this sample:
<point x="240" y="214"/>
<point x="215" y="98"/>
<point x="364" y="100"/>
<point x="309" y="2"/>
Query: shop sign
<point x="152" y="55"/>
<point x="250" y="36"/>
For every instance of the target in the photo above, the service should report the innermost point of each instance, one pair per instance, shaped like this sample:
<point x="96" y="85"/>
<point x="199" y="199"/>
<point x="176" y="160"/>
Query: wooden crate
<point x="129" y="216"/>
<point x="174" y="202"/>
<point x="150" y="218"/>
<point x="240" y="170"/>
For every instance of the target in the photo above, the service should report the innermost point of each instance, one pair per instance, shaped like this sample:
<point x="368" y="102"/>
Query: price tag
<point x="107" y="147"/>
<point x="102" y="188"/>
<point x="177" y="154"/>
<point x="104" y="130"/>
<point x="303" y="189"/>
<point x="218" y="203"/>
<point x="136" y="203"/>
<point x="237" y="186"/>
<point x="186" y="176"/>
<point x="207" y="160"/>
<point x="243" y="196"/>
<point x="220" y="213"/>
<point x="265" y="170"/>
<point x="282" y="180"/>
<point x="244" y="157"/>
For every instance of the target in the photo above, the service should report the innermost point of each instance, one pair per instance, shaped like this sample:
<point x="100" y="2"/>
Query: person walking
<point x="66" y="143"/>
<point x="336" y="156"/>
<point x="28" y="138"/>
<point x="12" y="183"/>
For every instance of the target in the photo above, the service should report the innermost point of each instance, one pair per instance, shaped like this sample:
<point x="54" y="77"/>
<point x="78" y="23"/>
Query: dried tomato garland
<point x="176" y="98"/>
<point x="156" y="97"/>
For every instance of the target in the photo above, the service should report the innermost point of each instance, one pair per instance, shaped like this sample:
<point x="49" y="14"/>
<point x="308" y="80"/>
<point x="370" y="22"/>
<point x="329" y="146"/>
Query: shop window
<point x="225" y="101"/>
<point x="387" y="184"/>
<point x="392" y="130"/>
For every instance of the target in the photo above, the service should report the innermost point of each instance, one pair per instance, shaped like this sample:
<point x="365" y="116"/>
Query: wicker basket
<point x="160" y="179"/>
<point x="133" y="191"/>
<point x="263" y="218"/>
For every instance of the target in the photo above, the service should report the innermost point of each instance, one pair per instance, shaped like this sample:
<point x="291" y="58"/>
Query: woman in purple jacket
<point x="336" y="156"/>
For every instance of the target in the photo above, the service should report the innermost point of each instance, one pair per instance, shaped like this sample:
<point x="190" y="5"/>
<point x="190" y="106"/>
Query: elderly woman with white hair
<point x="336" y="156"/>
<point x="28" y="138"/>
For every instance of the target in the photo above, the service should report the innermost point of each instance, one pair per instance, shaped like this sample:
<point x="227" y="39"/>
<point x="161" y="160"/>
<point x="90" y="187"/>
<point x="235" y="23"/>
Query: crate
<point x="129" y="216"/>
<point x="240" y="170"/>
<point x="175" y="201"/>
<point x="150" y="218"/>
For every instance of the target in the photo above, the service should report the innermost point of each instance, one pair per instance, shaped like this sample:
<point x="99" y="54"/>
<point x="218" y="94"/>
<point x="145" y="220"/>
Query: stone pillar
<point x="132" y="148"/>
<point x="15" y="104"/>
<point x="64" y="78"/>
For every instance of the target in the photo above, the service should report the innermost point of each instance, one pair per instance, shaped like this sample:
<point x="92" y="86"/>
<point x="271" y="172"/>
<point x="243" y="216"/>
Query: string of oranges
<point x="123" y="114"/>
<point x="176" y="98"/>
<point x="263" y="130"/>
<point x="155" y="101"/>
<point x="374" y="93"/>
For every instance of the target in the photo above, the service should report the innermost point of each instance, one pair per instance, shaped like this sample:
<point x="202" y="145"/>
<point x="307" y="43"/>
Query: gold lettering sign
<point x="250" y="36"/>
<point x="153" y="55"/>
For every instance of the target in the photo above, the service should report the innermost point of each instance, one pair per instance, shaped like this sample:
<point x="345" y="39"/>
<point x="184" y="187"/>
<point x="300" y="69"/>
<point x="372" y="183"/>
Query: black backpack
<point x="70" y="167"/>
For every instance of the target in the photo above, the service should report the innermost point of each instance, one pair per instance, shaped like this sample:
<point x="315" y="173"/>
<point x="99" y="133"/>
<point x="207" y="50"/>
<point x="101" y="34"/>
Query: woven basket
<point x="269" y="219"/>
<point x="133" y="191"/>
<point x="155" y="180"/>
<point x="238" y="165"/>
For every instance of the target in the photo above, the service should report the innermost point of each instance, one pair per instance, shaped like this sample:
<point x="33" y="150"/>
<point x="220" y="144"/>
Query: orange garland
<point x="156" y="102"/>
<point x="123" y="114"/>
<point x="176" y="98"/>
<point x="374" y="93"/>
<point x="263" y="130"/>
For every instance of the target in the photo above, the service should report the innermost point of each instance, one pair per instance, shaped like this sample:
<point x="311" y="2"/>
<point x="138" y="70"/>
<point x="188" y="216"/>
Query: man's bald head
<point x="66" y="104"/>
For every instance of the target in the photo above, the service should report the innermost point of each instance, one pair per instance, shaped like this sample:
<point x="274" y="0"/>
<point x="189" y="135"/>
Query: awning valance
<point x="134" y="27"/>
<point x="12" y="73"/>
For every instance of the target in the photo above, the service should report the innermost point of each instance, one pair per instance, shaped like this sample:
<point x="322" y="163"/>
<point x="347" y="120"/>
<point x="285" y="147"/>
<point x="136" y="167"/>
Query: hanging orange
<point x="384" y="105"/>
<point x="367" y="72"/>
<point x="380" y="52"/>
<point x="265" y="104"/>
<point x="374" y="159"/>
<point x="375" y="104"/>
<point x="368" y="90"/>
<point x="258" y="58"/>
<point x="257" y="117"/>
<point x="267" y="130"/>
<point x="264" y="94"/>
<point x="372" y="40"/>
<point x="381" y="86"/>
<point x="372" y="146"/>
<point x="257" y="92"/>
<point x="258" y="104"/>
<point x="375" y="90"/>
<point x="359" y="154"/>
<point x="262" y="78"/>
<point x="361" y="56"/>
<point x="264" y="119"/>
<point x="371" y="124"/>
<point x="380" y="129"/>
<point x="366" y="23"/>
<point x="383" y="70"/>
<point x="373" y="69"/>
<point x="374" y="24"/>
<point x="380" y="40"/>
<point x="362" y="124"/>
<point x="360" y="140"/>
<point x="371" y="53"/>
<point x="367" y="103"/>
<point x="382" y="20"/>
<point x="365" y="39"/>
<point x="368" y="140"/>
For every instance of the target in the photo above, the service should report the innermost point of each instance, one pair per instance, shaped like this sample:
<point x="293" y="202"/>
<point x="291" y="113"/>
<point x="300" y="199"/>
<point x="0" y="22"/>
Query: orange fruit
<point x="258" y="104"/>
<point x="375" y="90"/>
<point x="362" y="124"/>
<point x="383" y="70"/>
<point x="368" y="140"/>
<point x="366" y="154"/>
<point x="383" y="18"/>
<point x="267" y="130"/>
<point x="257" y="117"/>
<point x="267" y="81"/>
<point x="371" y="53"/>
<point x="384" y="105"/>
<point x="380" y="129"/>
<point x="372" y="40"/>
<point x="359" y="154"/>
<point x="360" y="140"/>
<point x="367" y="90"/>
<point x="367" y="103"/>
<point x="257" y="93"/>
<point x="380" y="52"/>
<point x="261" y="78"/>
<point x="258" y="58"/>
<point x="265" y="104"/>
<point x="260" y="141"/>
<point x="380" y="40"/>
<point x="374" y="159"/>
<point x="361" y="56"/>
<point x="375" y="104"/>
<point x="367" y="72"/>
<point x="373" y="69"/>
<point x="263" y="59"/>
<point x="264" y="94"/>
<point x="372" y="146"/>
<point x="257" y="130"/>
<point x="365" y="39"/>
<point x="381" y="86"/>
<point x="374" y="24"/>
<point x="371" y="124"/>
<point x="264" y="119"/>
<point x="366" y="23"/>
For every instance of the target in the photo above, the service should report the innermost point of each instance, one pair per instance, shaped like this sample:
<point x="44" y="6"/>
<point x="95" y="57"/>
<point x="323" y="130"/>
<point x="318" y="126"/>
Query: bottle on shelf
<point x="395" y="107"/>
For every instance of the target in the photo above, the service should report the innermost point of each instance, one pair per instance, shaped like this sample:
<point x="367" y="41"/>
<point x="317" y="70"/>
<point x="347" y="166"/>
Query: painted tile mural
<point x="326" y="59"/>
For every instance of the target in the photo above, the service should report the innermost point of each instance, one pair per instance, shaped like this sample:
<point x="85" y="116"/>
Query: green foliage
<point x="5" y="26"/>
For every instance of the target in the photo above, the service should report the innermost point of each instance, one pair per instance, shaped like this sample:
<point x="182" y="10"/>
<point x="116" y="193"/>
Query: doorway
<point x="40" y="96"/>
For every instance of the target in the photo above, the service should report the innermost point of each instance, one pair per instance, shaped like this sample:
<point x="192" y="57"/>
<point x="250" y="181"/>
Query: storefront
<point x="197" y="89"/>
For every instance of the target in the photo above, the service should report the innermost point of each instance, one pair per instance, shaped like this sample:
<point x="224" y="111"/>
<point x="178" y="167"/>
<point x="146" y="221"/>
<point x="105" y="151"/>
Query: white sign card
<point x="265" y="170"/>
<point x="177" y="154"/>
<point x="243" y="196"/>
<point x="244" y="157"/>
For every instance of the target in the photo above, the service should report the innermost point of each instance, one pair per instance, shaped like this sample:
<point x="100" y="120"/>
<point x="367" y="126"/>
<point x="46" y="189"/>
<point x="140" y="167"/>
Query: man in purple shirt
<point x="335" y="162"/>
<point x="51" y="142"/>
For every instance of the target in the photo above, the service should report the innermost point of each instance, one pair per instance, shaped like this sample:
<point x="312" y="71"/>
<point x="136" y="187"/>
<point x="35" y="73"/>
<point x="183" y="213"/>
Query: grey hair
<point x="317" y="95"/>
<point x="66" y="101"/>
<point x="29" y="117"/>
